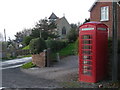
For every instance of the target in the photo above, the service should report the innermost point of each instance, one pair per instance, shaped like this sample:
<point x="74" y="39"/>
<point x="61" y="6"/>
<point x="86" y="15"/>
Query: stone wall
<point x="39" y="59"/>
<point x="42" y="59"/>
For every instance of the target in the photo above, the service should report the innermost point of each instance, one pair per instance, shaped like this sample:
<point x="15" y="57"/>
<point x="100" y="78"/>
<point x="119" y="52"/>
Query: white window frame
<point x="104" y="13"/>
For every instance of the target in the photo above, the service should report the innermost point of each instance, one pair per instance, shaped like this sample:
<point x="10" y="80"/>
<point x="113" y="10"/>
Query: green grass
<point x="28" y="65"/>
<point x="26" y="47"/>
<point x="69" y="50"/>
<point x="27" y="56"/>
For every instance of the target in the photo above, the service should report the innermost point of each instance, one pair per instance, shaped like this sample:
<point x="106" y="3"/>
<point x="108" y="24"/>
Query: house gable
<point x="53" y="16"/>
<point x="95" y="14"/>
<point x="63" y="27"/>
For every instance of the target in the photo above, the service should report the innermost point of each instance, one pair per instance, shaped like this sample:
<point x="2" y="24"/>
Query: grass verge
<point x="26" y="47"/>
<point x="28" y="65"/>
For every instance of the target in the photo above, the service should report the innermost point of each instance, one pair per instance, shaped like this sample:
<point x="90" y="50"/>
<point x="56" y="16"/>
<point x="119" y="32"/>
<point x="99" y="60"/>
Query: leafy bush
<point x="76" y="47"/>
<point x="56" y="45"/>
<point x="37" y="45"/>
<point x="27" y="40"/>
<point x="72" y="35"/>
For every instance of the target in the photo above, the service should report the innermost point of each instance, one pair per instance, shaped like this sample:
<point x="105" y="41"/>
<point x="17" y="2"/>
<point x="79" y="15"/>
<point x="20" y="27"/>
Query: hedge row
<point x="38" y="45"/>
<point x="56" y="45"/>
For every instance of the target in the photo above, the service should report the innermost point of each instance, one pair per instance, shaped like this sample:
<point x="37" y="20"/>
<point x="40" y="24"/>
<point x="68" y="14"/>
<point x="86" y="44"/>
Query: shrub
<point x="37" y="45"/>
<point x="76" y="47"/>
<point x="56" y="45"/>
<point x="27" y="40"/>
<point x="72" y="35"/>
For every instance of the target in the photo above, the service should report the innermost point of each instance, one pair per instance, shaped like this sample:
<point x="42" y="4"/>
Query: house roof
<point x="60" y="19"/>
<point x="99" y="1"/>
<point x="53" y="16"/>
<point x="93" y="5"/>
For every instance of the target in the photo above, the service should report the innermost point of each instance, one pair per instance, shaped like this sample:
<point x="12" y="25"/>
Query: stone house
<point x="62" y="25"/>
<point x="102" y="12"/>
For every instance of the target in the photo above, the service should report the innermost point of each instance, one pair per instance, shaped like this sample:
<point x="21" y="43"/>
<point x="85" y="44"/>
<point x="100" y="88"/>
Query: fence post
<point x="48" y="57"/>
<point x="58" y="57"/>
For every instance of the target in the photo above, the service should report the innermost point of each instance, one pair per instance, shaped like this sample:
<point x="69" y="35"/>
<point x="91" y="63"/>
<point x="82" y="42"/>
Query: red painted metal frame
<point x="99" y="39"/>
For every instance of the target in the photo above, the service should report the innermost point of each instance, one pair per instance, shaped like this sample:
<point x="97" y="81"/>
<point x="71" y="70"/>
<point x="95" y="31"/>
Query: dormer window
<point x="105" y="13"/>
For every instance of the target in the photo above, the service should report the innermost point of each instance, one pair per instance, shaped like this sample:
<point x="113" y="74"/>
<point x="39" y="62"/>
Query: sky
<point x="16" y="15"/>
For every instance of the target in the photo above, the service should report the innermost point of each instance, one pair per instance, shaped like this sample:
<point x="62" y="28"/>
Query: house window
<point x="63" y="31"/>
<point x="105" y="13"/>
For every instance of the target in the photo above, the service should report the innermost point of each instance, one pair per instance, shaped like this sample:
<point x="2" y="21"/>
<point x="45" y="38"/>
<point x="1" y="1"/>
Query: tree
<point x="1" y="37"/>
<point x="72" y="35"/>
<point x="37" y="45"/>
<point x="44" y="29"/>
<point x="73" y="26"/>
<point x="27" y="40"/>
<point x="22" y="34"/>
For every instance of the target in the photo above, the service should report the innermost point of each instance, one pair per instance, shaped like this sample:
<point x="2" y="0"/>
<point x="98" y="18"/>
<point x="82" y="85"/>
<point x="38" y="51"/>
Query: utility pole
<point x="115" y="44"/>
<point x="40" y="33"/>
<point x="5" y="34"/>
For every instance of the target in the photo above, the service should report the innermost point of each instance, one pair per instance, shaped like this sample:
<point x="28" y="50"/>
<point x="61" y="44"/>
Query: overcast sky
<point x="15" y="15"/>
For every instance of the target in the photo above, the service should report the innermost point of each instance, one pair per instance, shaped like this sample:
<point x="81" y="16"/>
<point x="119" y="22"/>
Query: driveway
<point x="60" y="71"/>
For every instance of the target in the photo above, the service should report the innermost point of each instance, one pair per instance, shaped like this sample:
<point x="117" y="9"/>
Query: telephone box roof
<point x="94" y="23"/>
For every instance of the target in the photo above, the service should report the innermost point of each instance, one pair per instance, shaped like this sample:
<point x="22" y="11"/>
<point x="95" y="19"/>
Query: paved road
<point x="14" y="78"/>
<point x="15" y="63"/>
<point x="41" y="77"/>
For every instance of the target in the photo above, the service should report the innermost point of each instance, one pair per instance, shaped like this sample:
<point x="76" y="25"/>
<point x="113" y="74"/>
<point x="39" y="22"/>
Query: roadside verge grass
<point x="26" y="47"/>
<point x="28" y="65"/>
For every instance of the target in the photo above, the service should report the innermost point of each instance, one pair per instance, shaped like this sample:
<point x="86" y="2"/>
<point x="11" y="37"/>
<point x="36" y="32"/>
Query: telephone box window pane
<point x="87" y="62"/>
<point x="87" y="73"/>
<point x="87" y="57"/>
<point x="86" y="41"/>
<point x="87" y="52"/>
<point x="87" y="47"/>
<point x="87" y="67"/>
<point x="86" y="37"/>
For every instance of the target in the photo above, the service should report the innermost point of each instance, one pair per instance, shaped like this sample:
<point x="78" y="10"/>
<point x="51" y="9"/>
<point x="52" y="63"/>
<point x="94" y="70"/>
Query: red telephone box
<point x="93" y="44"/>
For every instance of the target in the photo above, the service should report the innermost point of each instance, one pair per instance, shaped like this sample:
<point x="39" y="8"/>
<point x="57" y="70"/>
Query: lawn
<point x="69" y="50"/>
<point x="26" y="48"/>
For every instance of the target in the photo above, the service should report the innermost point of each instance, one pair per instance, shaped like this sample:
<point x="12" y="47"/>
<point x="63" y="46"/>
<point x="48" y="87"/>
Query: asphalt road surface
<point x="48" y="77"/>
<point x="14" y="63"/>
